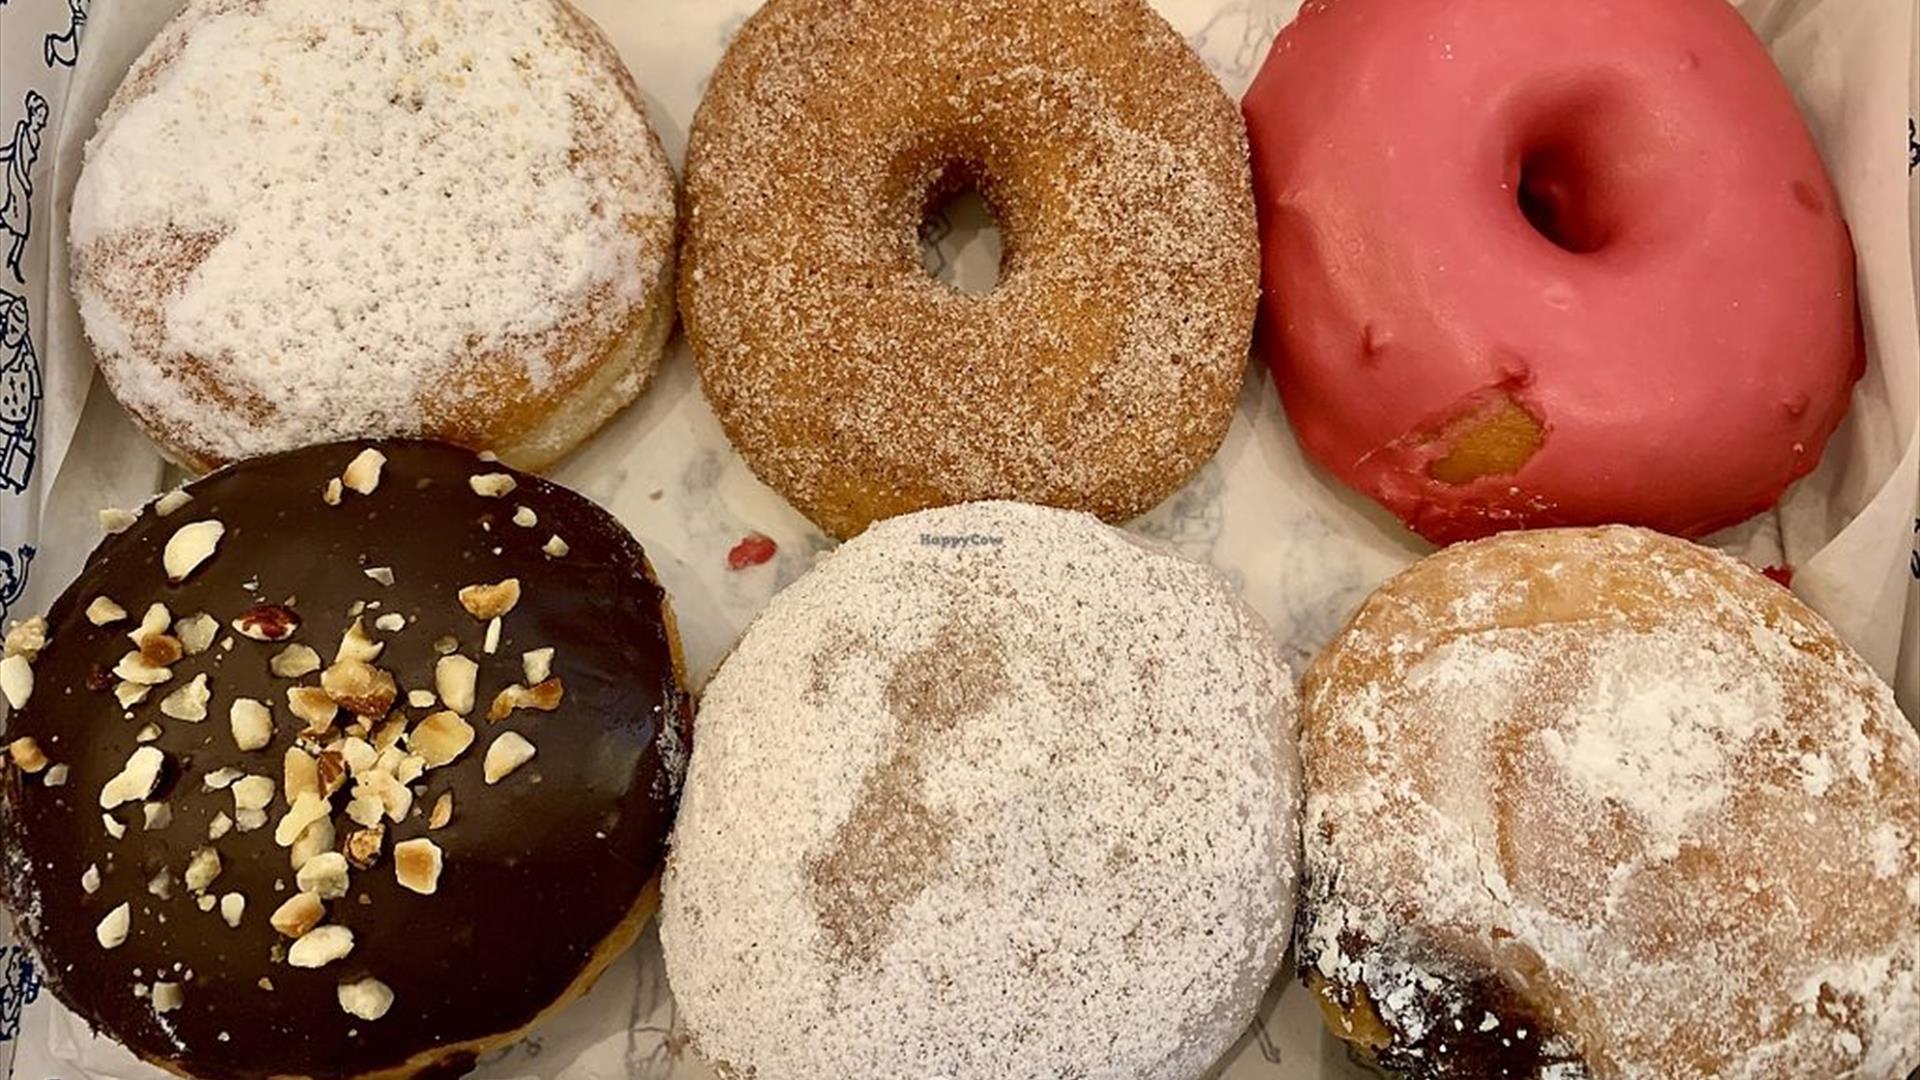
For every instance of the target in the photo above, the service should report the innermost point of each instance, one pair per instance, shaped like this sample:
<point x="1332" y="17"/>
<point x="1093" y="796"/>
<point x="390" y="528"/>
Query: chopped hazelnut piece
<point x="524" y="517"/>
<point x="446" y="645"/>
<point x="114" y="521"/>
<point x="390" y="732"/>
<point x="363" y="472"/>
<point x="232" y="907"/>
<point x="252" y="723"/>
<point x="366" y="808"/>
<point x="508" y="752"/>
<point x="442" y="812"/>
<point x="221" y="779"/>
<point x="490" y="601"/>
<point x="56" y="776"/>
<point x="306" y="810"/>
<point x="137" y="669"/>
<point x="196" y="632"/>
<point x="317" y="839"/>
<point x="422" y="699"/>
<point x="220" y="826"/>
<point x="172" y="501"/>
<point x="492" y="640"/>
<point x="556" y="547"/>
<point x="202" y="869"/>
<point x="148" y="732"/>
<point x="359" y="687"/>
<point x="333" y="492"/>
<point x="365" y="999"/>
<point x="167" y="996"/>
<point x="249" y="820"/>
<point x="537" y="664"/>
<point x="359" y="754"/>
<point x="104" y="612"/>
<point x="161" y="884"/>
<point x="299" y="775"/>
<point x="129" y="694"/>
<point x="545" y="697"/>
<point x="113" y="826"/>
<point x="330" y="771"/>
<point x="112" y="931"/>
<point x="155" y="621"/>
<point x="417" y="864"/>
<point x="320" y="946"/>
<point x="363" y="845"/>
<point x="190" y="546"/>
<point x="26" y="638"/>
<point x="314" y="706"/>
<point x="380" y="575"/>
<point x="324" y="875"/>
<point x="136" y="780"/>
<point x="16" y="681"/>
<point x="355" y="644"/>
<point x="294" y="661"/>
<point x="391" y="623"/>
<point x="299" y="915"/>
<point x="455" y="677"/>
<point x="156" y="816"/>
<point x="394" y="797"/>
<point x="267" y="622"/>
<point x="441" y="738"/>
<point x="26" y="754"/>
<point x="252" y="793"/>
<point x="189" y="703"/>
<point x="493" y="485"/>
<point x="90" y="880"/>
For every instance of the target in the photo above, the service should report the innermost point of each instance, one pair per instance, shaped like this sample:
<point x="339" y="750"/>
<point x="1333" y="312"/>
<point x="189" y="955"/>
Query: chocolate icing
<point x="539" y="868"/>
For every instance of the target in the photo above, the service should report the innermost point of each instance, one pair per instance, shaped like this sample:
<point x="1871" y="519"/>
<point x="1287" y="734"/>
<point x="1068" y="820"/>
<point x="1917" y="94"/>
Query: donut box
<point x="1283" y="533"/>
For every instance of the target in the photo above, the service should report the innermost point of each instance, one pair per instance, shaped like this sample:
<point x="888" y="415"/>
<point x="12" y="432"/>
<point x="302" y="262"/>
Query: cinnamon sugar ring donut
<point x="1102" y="370"/>
<point x="1600" y="805"/>
<point x="302" y="220"/>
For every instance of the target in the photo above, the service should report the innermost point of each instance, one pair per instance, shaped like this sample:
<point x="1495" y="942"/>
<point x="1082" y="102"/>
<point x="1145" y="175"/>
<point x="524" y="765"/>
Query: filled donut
<point x="995" y="792"/>
<point x="302" y="220"/>
<point x="1099" y="374"/>
<point x="353" y="761"/>
<point x="1603" y="804"/>
<point x="1534" y="264"/>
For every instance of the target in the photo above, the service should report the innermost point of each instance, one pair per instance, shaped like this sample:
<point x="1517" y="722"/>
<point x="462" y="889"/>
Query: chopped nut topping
<point x="544" y="697"/>
<point x="26" y="754"/>
<point x="252" y="723"/>
<point x="267" y="622"/>
<point x="389" y="733"/>
<point x="220" y="826"/>
<point x="104" y="612"/>
<point x="359" y="687"/>
<point x="113" y="521"/>
<point x="232" y="907"/>
<point x="249" y="820"/>
<point x="380" y="575"/>
<point x="129" y="694"/>
<point x="314" y="706"/>
<point x="252" y="793"/>
<point x="493" y="485"/>
<point x="299" y="915"/>
<point x="441" y="738"/>
<point x="321" y="946"/>
<point x="324" y="875"/>
<point x="113" y="826"/>
<point x="189" y="703"/>
<point x="136" y="669"/>
<point x="422" y="699"/>
<point x="294" y="661"/>
<point x="455" y="677"/>
<point x="395" y="797"/>
<point x="355" y="644"/>
<point x="333" y="492"/>
<point x="363" y="472"/>
<point x="196" y="632"/>
<point x="221" y="779"/>
<point x="365" y="999"/>
<point x="416" y="865"/>
<point x="492" y="641"/>
<point x="161" y="884"/>
<point x="156" y="816"/>
<point x="136" y="780"/>
<point x="442" y="812"/>
<point x="90" y="880"/>
<point x="446" y="645"/>
<point x="359" y="754"/>
<point x="330" y="772"/>
<point x="306" y="810"/>
<point x="537" y="664"/>
<point x="366" y="809"/>
<point x="299" y="775"/>
<point x="316" y="840"/>
<point x="525" y="517"/>
<point x="490" y="601"/>
<point x="167" y="504"/>
<point x="391" y="623"/>
<point x="16" y="681"/>
<point x="507" y="753"/>
<point x="202" y="869"/>
<point x="556" y="547"/>
<point x="363" y="845"/>
<point x="56" y="776"/>
<point x="190" y="546"/>
<point x="112" y="931"/>
<point x="26" y="638"/>
<point x="167" y="996"/>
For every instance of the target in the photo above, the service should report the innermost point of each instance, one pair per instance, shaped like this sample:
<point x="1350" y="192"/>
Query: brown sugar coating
<point x="334" y="717"/>
<point x="1102" y="370"/>
<point x="1602" y="804"/>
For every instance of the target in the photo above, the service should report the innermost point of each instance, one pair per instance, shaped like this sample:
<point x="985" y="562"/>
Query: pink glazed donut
<point x="1537" y="263"/>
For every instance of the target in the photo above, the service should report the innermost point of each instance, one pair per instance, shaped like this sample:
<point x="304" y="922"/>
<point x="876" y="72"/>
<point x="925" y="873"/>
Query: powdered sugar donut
<point x="1604" y="804"/>
<point x="995" y="792"/>
<point x="1544" y="264"/>
<point x="303" y="220"/>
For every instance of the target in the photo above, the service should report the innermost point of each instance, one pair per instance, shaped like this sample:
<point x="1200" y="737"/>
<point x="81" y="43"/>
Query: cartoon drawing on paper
<point x="14" y="567"/>
<point x="19" y="985"/>
<point x="20" y="393"/>
<point x="64" y="48"/>
<point x="18" y="155"/>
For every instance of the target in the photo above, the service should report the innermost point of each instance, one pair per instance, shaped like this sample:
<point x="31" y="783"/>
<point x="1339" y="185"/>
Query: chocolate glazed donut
<point x="410" y="645"/>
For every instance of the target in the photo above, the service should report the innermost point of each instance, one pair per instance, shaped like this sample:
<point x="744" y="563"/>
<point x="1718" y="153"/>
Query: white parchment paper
<point x="1304" y="550"/>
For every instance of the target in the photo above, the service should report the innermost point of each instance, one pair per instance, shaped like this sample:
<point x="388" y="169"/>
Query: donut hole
<point x="1561" y="194"/>
<point x="960" y="241"/>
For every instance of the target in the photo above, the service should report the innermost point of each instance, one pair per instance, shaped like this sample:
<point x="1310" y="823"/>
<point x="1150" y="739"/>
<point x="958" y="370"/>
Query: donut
<point x="1549" y="264"/>
<point x="1601" y="804"/>
<point x="302" y="221"/>
<point x="995" y="792"/>
<point x="351" y="761"/>
<point x="1099" y="373"/>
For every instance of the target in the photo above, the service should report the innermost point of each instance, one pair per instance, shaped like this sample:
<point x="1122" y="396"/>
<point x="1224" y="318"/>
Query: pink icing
<point x="1610" y="213"/>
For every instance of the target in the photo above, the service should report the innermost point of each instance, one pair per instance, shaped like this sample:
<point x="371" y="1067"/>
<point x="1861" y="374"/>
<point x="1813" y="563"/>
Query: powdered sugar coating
<point x="1605" y="804"/>
<point x="311" y="219"/>
<point x="995" y="792"/>
<point x="1102" y="370"/>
